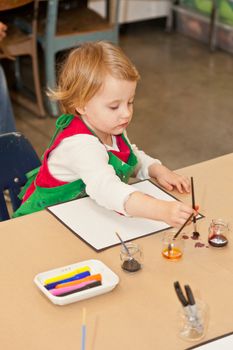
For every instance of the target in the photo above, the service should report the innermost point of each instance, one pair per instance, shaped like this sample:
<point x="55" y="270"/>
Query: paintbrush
<point x="179" y="231"/>
<point x="196" y="234"/>
<point x="131" y="264"/>
<point x="83" y="341"/>
<point x="124" y="245"/>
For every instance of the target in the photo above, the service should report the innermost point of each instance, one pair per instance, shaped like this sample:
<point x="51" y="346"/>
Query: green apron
<point x="43" y="197"/>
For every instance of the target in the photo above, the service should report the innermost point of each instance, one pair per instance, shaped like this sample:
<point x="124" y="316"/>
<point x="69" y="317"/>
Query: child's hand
<point x="176" y="213"/>
<point x="168" y="179"/>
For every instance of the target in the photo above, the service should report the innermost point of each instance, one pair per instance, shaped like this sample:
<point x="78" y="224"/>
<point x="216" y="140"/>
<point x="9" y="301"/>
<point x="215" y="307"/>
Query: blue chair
<point x="17" y="157"/>
<point x="68" y="26"/>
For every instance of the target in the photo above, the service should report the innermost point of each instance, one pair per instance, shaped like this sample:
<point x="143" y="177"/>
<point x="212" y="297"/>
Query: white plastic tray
<point x="109" y="281"/>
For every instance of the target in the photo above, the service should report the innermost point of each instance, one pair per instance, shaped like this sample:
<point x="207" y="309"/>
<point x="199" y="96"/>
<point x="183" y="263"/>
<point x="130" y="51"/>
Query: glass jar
<point x="218" y="233"/>
<point x="172" y="249"/>
<point x="193" y="321"/>
<point x="131" y="259"/>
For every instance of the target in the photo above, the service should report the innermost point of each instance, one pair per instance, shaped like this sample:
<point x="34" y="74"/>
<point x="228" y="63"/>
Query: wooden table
<point x="141" y="312"/>
<point x="10" y="4"/>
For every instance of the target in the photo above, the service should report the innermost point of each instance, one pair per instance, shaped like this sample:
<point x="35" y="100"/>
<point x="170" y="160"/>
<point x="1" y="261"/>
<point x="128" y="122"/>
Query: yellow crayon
<point x="67" y="275"/>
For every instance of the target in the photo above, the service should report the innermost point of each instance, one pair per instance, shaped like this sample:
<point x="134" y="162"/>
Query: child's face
<point x="110" y="110"/>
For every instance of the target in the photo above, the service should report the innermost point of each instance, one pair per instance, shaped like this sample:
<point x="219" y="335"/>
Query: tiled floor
<point x="184" y="105"/>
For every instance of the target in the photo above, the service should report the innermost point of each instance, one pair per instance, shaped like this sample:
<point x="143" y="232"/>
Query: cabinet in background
<point x="135" y="10"/>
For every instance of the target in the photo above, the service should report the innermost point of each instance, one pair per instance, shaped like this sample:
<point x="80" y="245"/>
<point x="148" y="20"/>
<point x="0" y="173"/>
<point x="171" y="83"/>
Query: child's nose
<point x="126" y="113"/>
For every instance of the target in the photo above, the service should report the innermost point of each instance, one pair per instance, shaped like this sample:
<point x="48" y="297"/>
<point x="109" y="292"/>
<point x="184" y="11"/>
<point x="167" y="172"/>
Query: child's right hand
<point x="175" y="213"/>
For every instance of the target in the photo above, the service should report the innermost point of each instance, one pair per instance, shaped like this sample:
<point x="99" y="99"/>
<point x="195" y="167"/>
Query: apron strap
<point x="31" y="175"/>
<point x="62" y="122"/>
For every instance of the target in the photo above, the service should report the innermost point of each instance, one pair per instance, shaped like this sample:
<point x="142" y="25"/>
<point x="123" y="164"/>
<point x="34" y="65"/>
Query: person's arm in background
<point x="3" y="29"/>
<point x="7" y="120"/>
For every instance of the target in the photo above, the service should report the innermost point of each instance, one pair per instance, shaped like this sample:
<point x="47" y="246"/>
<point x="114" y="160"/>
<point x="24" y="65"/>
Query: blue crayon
<point x="75" y="277"/>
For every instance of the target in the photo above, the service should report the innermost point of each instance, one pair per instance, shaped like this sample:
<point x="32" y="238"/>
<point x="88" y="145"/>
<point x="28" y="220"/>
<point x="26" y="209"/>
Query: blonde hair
<point x="83" y="72"/>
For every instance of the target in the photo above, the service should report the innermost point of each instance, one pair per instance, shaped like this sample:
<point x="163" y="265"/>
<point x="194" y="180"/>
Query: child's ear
<point x="80" y="110"/>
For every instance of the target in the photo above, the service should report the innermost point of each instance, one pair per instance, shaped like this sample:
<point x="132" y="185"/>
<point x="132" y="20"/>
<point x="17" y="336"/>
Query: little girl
<point x="90" y="153"/>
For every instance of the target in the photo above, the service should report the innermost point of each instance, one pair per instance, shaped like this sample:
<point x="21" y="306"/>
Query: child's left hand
<point x="169" y="179"/>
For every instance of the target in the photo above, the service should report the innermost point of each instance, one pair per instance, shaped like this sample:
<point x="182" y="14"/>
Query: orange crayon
<point x="96" y="277"/>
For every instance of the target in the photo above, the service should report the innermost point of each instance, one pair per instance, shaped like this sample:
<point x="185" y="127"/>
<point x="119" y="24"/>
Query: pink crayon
<point x="59" y="291"/>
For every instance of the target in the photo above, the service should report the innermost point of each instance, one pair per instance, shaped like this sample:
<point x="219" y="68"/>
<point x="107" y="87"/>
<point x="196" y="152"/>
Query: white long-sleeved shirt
<point x="84" y="157"/>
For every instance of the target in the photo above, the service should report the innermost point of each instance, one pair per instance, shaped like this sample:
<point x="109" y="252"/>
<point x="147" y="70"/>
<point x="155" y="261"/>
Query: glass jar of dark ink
<point x="131" y="259"/>
<point x="218" y="233"/>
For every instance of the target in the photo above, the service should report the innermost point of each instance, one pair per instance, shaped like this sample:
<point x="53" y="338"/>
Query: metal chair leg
<point x="18" y="80"/>
<point x="50" y="71"/>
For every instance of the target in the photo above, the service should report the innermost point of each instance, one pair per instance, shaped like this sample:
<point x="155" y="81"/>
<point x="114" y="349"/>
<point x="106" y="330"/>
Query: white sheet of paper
<point x="225" y="343"/>
<point x="97" y="225"/>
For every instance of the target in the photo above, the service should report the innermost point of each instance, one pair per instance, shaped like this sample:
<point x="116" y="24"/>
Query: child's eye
<point x="131" y="102"/>
<point x="113" y="107"/>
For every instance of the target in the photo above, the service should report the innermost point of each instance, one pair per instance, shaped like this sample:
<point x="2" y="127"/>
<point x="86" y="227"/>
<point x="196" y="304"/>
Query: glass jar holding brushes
<point x="193" y="315"/>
